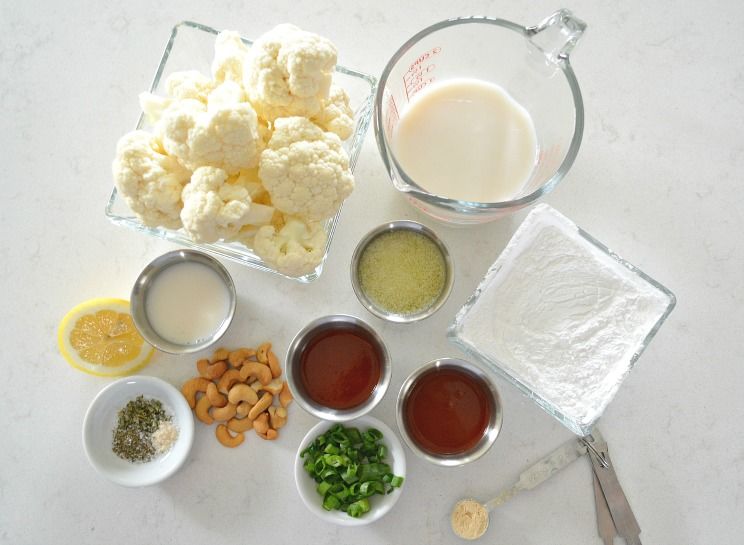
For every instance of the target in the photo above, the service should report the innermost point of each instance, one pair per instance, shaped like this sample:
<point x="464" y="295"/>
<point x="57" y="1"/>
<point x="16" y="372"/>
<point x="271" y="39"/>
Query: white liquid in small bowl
<point x="187" y="303"/>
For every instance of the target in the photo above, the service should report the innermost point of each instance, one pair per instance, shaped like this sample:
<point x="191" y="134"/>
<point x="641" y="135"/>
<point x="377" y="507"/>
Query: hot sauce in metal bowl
<point x="340" y="368"/>
<point x="447" y="411"/>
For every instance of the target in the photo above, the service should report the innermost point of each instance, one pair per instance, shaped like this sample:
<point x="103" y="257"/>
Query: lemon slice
<point x="99" y="337"/>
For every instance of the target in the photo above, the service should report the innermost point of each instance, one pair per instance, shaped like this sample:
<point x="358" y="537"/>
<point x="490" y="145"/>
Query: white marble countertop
<point x="657" y="179"/>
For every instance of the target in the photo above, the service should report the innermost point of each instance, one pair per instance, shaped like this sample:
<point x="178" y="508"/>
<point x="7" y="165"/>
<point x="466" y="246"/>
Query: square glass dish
<point x="561" y="317"/>
<point x="191" y="47"/>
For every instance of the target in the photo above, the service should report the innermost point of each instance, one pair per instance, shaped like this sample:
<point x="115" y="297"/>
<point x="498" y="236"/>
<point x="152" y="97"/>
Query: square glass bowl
<point x="567" y="337"/>
<point x="191" y="47"/>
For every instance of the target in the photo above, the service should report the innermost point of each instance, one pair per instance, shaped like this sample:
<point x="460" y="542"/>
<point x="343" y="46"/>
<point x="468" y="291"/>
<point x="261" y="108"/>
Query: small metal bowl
<point x="386" y="314"/>
<point x="294" y="363"/>
<point x="492" y="429"/>
<point x="144" y="281"/>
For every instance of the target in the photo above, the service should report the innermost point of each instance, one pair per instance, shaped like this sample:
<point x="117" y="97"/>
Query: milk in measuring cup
<point x="466" y="139"/>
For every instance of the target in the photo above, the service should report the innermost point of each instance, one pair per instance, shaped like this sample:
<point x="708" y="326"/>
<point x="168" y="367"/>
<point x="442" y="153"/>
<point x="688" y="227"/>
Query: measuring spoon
<point x="470" y="518"/>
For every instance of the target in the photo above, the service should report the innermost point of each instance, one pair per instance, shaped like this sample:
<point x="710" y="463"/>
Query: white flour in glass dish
<point x="561" y="316"/>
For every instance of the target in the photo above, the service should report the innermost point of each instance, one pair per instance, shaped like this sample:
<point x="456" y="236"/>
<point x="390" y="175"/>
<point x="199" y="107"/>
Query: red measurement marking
<point x="392" y="117"/>
<point x="415" y="77"/>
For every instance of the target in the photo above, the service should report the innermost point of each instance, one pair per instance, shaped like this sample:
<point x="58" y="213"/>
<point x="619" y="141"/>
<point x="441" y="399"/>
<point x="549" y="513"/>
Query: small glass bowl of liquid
<point x="478" y="117"/>
<point x="338" y="368"/>
<point x="183" y="302"/>
<point x="449" y="412"/>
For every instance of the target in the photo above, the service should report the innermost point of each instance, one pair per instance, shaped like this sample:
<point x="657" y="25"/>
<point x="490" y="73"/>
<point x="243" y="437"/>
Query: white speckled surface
<point x="657" y="179"/>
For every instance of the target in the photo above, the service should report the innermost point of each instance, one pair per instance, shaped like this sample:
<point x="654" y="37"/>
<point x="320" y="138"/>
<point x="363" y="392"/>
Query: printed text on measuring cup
<point x="420" y="73"/>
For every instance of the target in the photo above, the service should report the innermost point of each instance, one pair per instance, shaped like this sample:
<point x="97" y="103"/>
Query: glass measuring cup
<point x="530" y="63"/>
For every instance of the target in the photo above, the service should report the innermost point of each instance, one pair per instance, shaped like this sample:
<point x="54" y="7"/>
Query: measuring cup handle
<point x="557" y="35"/>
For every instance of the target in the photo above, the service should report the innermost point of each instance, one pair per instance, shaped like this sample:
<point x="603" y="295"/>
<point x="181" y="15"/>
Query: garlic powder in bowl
<point x="561" y="317"/>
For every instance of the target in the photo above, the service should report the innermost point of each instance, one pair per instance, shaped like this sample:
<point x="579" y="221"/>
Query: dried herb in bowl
<point x="349" y="467"/>
<point x="137" y="421"/>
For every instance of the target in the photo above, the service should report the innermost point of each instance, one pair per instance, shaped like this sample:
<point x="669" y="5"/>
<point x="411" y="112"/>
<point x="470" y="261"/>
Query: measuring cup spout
<point x="557" y="35"/>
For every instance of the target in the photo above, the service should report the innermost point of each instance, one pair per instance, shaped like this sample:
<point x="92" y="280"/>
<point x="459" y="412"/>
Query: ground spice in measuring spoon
<point x="402" y="271"/>
<point x="469" y="519"/>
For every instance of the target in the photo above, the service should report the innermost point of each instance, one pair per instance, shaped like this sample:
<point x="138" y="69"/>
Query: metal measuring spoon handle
<point x="536" y="474"/>
<point x="622" y="515"/>
<point x="541" y="471"/>
<point x="605" y="526"/>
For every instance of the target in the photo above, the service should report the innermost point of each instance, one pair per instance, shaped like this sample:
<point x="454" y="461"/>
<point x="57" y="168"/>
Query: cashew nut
<point x="220" y="354"/>
<point x="276" y="369"/>
<point x="263" y="403"/>
<point x="225" y="413"/>
<point x="215" y="397"/>
<point x="191" y="387"/>
<point x="274" y="387"/>
<point x="240" y="424"/>
<point x="228" y="379"/>
<point x="261" y="424"/>
<point x="217" y="369"/>
<point x="243" y="409"/>
<point x="201" y="366"/>
<point x="224" y="437"/>
<point x="211" y="370"/>
<point x="237" y="357"/>
<point x="278" y="417"/>
<point x="285" y="396"/>
<point x="252" y="368"/>
<point x="270" y="434"/>
<point x="202" y="410"/>
<point x="242" y="392"/>
<point x="262" y="352"/>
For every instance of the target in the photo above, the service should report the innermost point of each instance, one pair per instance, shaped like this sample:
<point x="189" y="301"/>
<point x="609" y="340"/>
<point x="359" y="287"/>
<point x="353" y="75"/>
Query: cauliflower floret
<point x="215" y="206"/>
<point x="154" y="106"/>
<point x="226" y="94"/>
<point x="149" y="180"/>
<point x="188" y="84"/>
<point x="226" y="136"/>
<point x="250" y="180"/>
<point x="336" y="115"/>
<point x="305" y="170"/>
<point x="288" y="72"/>
<point x="295" y="249"/>
<point x="229" y="54"/>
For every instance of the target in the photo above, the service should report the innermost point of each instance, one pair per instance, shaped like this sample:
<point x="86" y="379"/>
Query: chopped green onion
<point x="358" y="508"/>
<point x="349" y="467"/>
<point x="331" y="502"/>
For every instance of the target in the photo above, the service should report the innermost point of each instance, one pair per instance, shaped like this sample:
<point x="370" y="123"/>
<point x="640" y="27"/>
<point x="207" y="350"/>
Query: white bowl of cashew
<point x="100" y="421"/>
<point x="380" y="505"/>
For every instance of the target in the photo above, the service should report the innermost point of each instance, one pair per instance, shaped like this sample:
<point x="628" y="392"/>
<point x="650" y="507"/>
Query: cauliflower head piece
<point x="295" y="249"/>
<point x="149" y="180"/>
<point x="217" y="207"/>
<point x="336" y="115"/>
<point x="225" y="136"/>
<point x="288" y="72"/>
<point x="305" y="170"/>
<point x="229" y="54"/>
<point x="188" y="84"/>
<point x="226" y="94"/>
